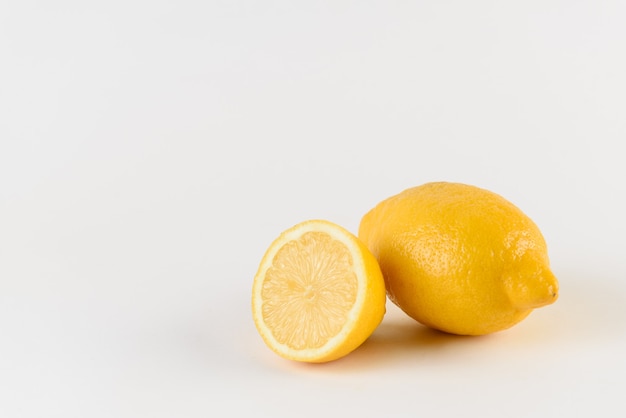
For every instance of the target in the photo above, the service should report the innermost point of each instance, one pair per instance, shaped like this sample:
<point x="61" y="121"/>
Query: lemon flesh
<point x="318" y="293"/>
<point x="459" y="258"/>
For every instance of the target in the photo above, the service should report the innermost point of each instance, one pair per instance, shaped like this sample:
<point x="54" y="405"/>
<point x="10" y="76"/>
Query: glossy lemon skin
<point x="459" y="258"/>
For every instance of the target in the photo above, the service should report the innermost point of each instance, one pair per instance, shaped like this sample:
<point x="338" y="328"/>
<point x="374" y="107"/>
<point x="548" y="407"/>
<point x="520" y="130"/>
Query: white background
<point x="151" y="151"/>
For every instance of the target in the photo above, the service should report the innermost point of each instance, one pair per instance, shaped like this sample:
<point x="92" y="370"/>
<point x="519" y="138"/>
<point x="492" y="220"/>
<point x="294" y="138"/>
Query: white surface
<point x="151" y="151"/>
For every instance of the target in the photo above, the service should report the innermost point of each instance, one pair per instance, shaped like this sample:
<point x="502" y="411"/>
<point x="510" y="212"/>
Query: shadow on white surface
<point x="399" y="341"/>
<point x="588" y="315"/>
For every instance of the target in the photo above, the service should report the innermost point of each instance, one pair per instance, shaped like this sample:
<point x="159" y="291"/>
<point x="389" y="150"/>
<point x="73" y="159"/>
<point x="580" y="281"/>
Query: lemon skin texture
<point x="459" y="258"/>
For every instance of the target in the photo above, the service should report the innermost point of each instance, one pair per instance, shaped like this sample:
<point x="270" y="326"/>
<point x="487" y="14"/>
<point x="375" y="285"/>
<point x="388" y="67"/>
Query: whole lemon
<point x="459" y="258"/>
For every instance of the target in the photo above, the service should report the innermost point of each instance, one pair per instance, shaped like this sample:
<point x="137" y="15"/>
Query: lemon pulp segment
<point x="318" y="293"/>
<point x="309" y="290"/>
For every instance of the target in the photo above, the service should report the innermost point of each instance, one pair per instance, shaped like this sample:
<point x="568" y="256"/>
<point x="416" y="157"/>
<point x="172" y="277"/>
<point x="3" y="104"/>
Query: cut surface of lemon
<point x="318" y="293"/>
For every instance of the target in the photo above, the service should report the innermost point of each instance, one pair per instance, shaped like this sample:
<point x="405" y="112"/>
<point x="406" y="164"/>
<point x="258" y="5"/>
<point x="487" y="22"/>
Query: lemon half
<point x="318" y="293"/>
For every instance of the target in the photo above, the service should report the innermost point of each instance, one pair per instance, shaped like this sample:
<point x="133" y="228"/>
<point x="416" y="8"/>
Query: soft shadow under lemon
<point x="401" y="340"/>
